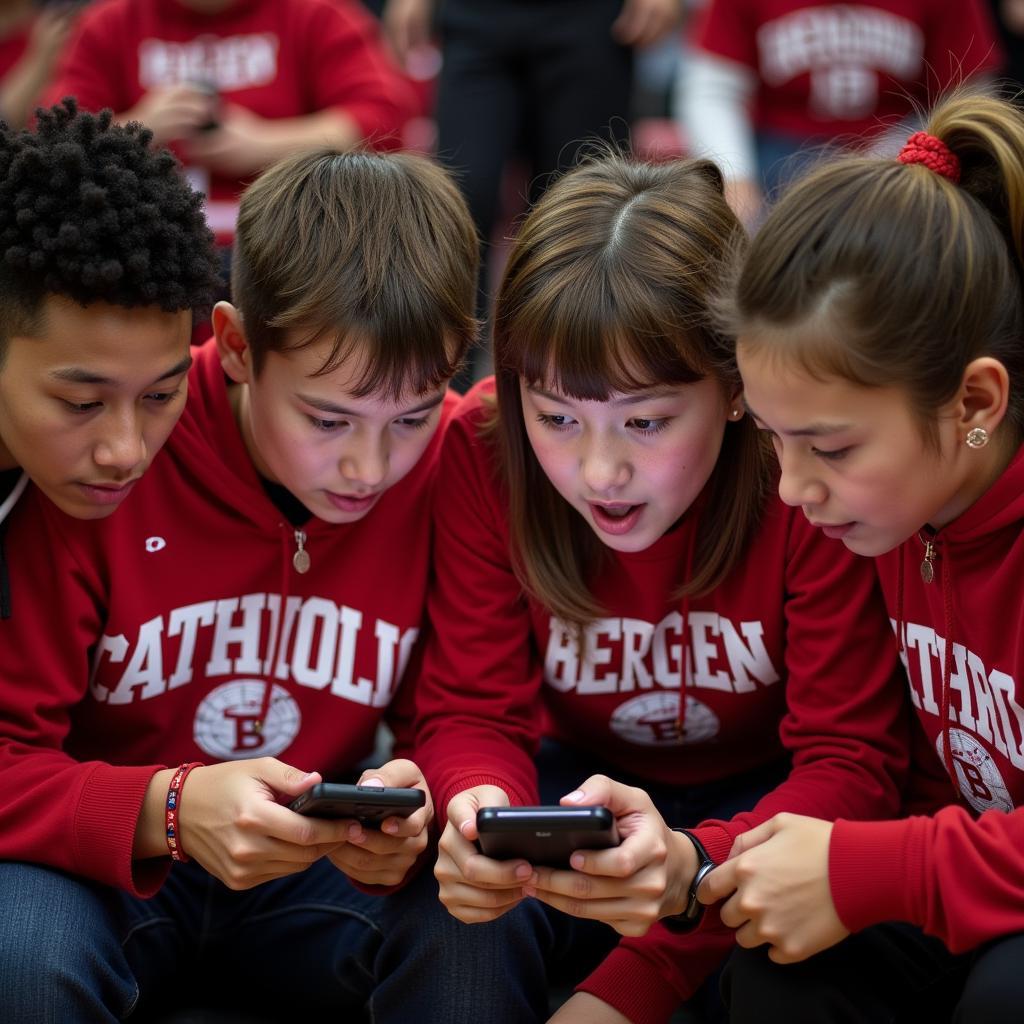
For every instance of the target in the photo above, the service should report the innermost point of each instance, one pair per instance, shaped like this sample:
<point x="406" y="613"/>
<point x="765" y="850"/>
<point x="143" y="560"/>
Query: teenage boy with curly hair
<point x="104" y="256"/>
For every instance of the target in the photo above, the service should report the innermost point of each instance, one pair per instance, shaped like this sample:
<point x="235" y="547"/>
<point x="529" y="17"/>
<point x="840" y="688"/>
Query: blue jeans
<point x="307" y="947"/>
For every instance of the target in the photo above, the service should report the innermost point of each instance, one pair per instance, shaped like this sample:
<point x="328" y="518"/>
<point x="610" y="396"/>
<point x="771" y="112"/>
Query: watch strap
<point x="692" y="913"/>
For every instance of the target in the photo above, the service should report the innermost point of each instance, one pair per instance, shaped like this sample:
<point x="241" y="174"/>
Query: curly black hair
<point x="91" y="211"/>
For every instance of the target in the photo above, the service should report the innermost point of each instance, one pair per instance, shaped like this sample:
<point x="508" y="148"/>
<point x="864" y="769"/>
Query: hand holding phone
<point x="388" y="823"/>
<point x="644" y="878"/>
<point x="473" y="887"/>
<point x="369" y="805"/>
<point x="544" y="835"/>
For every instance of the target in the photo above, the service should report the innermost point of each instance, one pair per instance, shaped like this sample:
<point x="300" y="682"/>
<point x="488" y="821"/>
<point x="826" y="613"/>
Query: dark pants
<point x="533" y="77"/>
<point x="889" y="973"/>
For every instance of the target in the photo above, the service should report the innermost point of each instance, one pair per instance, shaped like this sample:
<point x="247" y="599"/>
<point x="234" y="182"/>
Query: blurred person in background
<point x="535" y="78"/>
<point x="234" y="85"/>
<point x="769" y="83"/>
<point x="31" y="39"/>
<point x="1009" y="19"/>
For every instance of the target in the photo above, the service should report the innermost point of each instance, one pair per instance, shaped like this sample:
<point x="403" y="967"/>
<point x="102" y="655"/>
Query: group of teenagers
<point x="730" y="544"/>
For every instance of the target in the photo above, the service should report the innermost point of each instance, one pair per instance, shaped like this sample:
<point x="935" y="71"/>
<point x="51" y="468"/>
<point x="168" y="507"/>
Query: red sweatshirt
<point x="960" y="873"/>
<point x="179" y="630"/>
<point x="278" y="58"/>
<point x="848" y="69"/>
<point x="790" y="653"/>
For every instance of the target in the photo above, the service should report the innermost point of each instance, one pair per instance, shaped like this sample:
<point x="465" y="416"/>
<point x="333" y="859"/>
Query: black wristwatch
<point x="694" y="910"/>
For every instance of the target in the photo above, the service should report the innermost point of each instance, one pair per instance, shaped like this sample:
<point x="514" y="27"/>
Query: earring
<point x="735" y="414"/>
<point x="976" y="438"/>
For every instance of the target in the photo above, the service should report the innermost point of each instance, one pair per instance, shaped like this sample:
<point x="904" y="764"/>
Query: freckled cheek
<point x="559" y="469"/>
<point x="680" y="472"/>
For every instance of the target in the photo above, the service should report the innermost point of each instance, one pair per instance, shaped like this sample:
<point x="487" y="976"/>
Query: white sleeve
<point x="712" y="106"/>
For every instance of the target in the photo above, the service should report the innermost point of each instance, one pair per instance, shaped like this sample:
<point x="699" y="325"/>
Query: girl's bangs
<point x="588" y="356"/>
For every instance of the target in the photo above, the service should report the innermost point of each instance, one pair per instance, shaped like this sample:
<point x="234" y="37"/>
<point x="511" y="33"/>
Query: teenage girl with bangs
<point x="613" y="573"/>
<point x="880" y="324"/>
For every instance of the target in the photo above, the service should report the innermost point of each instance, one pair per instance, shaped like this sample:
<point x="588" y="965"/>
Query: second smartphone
<point x="544" y="835"/>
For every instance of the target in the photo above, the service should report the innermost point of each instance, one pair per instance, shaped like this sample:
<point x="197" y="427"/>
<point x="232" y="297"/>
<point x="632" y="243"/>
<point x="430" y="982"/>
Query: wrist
<point x="693" y="910"/>
<point x="683" y="869"/>
<point x="172" y="807"/>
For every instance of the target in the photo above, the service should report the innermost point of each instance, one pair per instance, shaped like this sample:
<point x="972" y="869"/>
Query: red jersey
<point x="277" y="58"/>
<point x="179" y="629"/>
<point x="791" y="653"/>
<point x="960" y="873"/>
<point x="835" y="70"/>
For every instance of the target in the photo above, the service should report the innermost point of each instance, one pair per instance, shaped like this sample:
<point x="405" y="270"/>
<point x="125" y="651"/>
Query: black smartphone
<point x="544" y="835"/>
<point x="369" y="805"/>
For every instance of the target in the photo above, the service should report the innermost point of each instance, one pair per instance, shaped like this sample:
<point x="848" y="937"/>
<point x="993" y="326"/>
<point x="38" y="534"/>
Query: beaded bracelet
<point x="173" y="802"/>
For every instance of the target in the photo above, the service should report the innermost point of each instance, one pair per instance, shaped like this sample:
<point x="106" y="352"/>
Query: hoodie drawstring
<point x="300" y="565"/>
<point x="947" y="670"/>
<point x="930" y="558"/>
<point x="900" y="626"/>
<point x="5" y="509"/>
<point x="684" y="646"/>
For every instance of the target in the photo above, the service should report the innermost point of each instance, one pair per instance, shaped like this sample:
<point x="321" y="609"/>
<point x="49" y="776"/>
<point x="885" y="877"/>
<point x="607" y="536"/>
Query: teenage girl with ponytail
<point x="881" y="343"/>
<point x="612" y="568"/>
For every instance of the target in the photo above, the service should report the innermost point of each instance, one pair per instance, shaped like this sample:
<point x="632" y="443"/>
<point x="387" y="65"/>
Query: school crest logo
<point x="976" y="773"/>
<point x="237" y="721"/>
<point x="652" y="720"/>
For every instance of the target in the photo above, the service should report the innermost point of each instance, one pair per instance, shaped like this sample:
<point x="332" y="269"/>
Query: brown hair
<point x="889" y="274"/>
<point x="607" y="290"/>
<point x="376" y="248"/>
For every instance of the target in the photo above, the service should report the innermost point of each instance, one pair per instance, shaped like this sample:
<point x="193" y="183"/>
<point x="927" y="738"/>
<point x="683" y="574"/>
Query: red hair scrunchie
<point x="922" y="148"/>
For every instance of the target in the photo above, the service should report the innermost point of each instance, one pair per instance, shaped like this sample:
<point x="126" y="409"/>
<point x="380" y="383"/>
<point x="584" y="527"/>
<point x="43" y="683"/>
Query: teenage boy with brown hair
<point x="249" y="615"/>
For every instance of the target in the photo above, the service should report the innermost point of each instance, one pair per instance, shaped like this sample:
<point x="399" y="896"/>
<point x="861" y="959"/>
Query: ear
<point x="734" y="407"/>
<point x="983" y="396"/>
<point x="232" y="345"/>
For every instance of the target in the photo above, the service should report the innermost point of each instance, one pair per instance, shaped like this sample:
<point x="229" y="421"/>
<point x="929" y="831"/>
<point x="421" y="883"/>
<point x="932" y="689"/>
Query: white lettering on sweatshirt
<point x="314" y="644"/>
<point x="229" y="64"/>
<point x="842" y="48"/>
<point x="983" y="701"/>
<point x="720" y="656"/>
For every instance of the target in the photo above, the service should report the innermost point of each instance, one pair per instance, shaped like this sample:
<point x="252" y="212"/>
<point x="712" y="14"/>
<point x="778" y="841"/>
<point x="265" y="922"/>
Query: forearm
<point x="956" y="877"/>
<point x="326" y="128"/>
<point x="77" y="817"/>
<point x="712" y="105"/>
<point x="22" y="88"/>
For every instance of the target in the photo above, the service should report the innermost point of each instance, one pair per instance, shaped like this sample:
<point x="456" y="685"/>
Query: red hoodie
<point x="278" y="58"/>
<point x="791" y="652"/>
<point x="178" y="629"/>
<point x="960" y="873"/>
